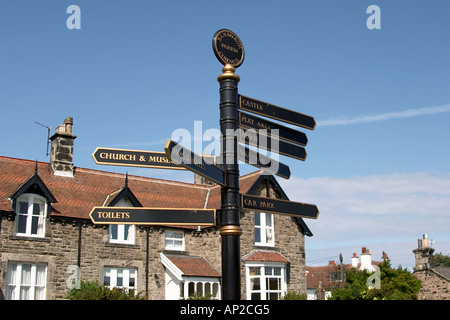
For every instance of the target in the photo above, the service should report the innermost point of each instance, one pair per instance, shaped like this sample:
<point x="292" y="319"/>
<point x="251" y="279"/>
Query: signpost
<point x="277" y="113"/>
<point x="261" y="161"/>
<point x="133" y="158"/>
<point x="290" y="135"/>
<point x="153" y="216"/>
<point x="194" y="162"/>
<point x="229" y="51"/>
<point x="254" y="138"/>
<point x="284" y="207"/>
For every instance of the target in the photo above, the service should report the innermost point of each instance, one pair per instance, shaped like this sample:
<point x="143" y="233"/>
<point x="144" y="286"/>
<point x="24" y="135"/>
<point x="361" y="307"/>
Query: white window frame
<point x="114" y="273"/>
<point x="266" y="228"/>
<point x="31" y="199"/>
<point x="121" y="233"/>
<point x="264" y="291"/>
<point x="121" y="228"/>
<point x="15" y="285"/>
<point x="170" y="240"/>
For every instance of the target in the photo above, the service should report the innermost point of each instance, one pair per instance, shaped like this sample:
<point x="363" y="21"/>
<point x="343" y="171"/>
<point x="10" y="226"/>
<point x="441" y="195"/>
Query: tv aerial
<point x="48" y="135"/>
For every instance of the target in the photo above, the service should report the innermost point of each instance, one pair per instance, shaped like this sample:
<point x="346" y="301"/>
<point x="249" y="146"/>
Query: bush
<point x="293" y="295"/>
<point x="199" y="296"/>
<point x="92" y="290"/>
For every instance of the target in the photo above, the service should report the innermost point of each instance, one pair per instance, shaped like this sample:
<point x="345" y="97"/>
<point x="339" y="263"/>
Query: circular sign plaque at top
<point x="228" y="48"/>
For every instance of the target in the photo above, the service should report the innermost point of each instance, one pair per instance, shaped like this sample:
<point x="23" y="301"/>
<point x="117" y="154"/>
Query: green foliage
<point x="199" y="296"/>
<point x="440" y="260"/>
<point x="92" y="290"/>
<point x="396" y="284"/>
<point x="293" y="295"/>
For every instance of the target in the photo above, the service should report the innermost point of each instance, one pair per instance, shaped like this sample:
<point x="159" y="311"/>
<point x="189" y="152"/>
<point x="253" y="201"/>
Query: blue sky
<point x="378" y="164"/>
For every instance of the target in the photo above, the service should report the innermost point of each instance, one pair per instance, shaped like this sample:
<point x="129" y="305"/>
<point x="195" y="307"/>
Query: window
<point x="264" y="229"/>
<point x="174" y="240"/>
<point x="121" y="233"/>
<point x="335" y="276"/>
<point x="25" y="281"/>
<point x="30" y="215"/>
<point x="120" y="278"/>
<point x="200" y="287"/>
<point x="265" y="282"/>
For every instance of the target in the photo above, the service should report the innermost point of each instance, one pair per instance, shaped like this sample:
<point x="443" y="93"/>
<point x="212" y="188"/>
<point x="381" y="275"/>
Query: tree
<point x="396" y="284"/>
<point x="440" y="260"/>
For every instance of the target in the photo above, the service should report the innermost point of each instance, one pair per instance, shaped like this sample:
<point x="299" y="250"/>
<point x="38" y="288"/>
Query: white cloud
<point x="378" y="209"/>
<point x="345" y="120"/>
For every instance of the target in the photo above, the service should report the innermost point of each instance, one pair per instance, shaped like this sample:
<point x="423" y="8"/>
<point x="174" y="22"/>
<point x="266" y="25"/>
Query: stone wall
<point x="434" y="286"/>
<point x="59" y="249"/>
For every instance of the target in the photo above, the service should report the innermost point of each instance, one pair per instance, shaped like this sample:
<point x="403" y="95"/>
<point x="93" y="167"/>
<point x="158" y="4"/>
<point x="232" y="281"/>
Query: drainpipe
<point x="146" y="262"/>
<point x="79" y="245"/>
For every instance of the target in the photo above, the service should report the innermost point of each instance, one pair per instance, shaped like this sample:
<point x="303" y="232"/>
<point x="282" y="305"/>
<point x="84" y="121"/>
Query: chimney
<point x="198" y="179"/>
<point x="423" y="255"/>
<point x="355" y="261"/>
<point x="366" y="260"/>
<point x="384" y="256"/>
<point x="61" y="155"/>
<point x="331" y="262"/>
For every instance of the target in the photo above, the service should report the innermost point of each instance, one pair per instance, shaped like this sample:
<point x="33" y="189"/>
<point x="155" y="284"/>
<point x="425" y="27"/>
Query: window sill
<point x="122" y="245"/>
<point x="181" y="252"/>
<point x="265" y="247"/>
<point x="28" y="238"/>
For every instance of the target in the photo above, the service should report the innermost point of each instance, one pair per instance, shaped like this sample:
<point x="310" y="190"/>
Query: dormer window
<point x="123" y="233"/>
<point x="31" y="211"/>
<point x="31" y="203"/>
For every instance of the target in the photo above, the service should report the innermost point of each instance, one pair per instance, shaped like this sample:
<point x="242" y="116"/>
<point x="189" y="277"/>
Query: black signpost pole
<point x="229" y="51"/>
<point x="230" y="205"/>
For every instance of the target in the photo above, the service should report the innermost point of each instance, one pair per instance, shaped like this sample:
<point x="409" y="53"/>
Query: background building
<point x="435" y="280"/>
<point x="47" y="239"/>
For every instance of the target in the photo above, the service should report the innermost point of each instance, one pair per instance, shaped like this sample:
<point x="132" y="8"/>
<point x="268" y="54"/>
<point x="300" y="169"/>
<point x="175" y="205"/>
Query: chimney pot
<point x="68" y="122"/>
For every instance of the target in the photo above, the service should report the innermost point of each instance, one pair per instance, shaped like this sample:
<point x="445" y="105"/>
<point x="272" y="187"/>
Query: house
<point x="47" y="240"/>
<point x="322" y="280"/>
<point x="435" y="280"/>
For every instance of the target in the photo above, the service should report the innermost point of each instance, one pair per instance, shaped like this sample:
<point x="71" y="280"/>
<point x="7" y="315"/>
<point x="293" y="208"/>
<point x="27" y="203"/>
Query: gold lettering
<point x="263" y="125"/>
<point x="158" y="159"/>
<point x="113" y="215"/>
<point x="230" y="48"/>
<point x="266" y="204"/>
<point x="246" y="119"/>
<point x="250" y="203"/>
<point x="251" y="104"/>
<point x="200" y="165"/>
<point x="117" y="156"/>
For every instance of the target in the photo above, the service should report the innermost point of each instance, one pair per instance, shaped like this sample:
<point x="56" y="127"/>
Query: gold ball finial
<point x="228" y="73"/>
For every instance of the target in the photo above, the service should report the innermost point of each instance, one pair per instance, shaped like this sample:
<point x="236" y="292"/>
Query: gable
<point x="268" y="186"/>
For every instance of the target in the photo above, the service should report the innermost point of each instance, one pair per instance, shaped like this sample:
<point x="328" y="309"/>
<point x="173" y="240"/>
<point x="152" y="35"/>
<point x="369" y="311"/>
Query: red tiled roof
<point x="268" y="256"/>
<point x="77" y="195"/>
<point x="314" y="275"/>
<point x="193" y="266"/>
